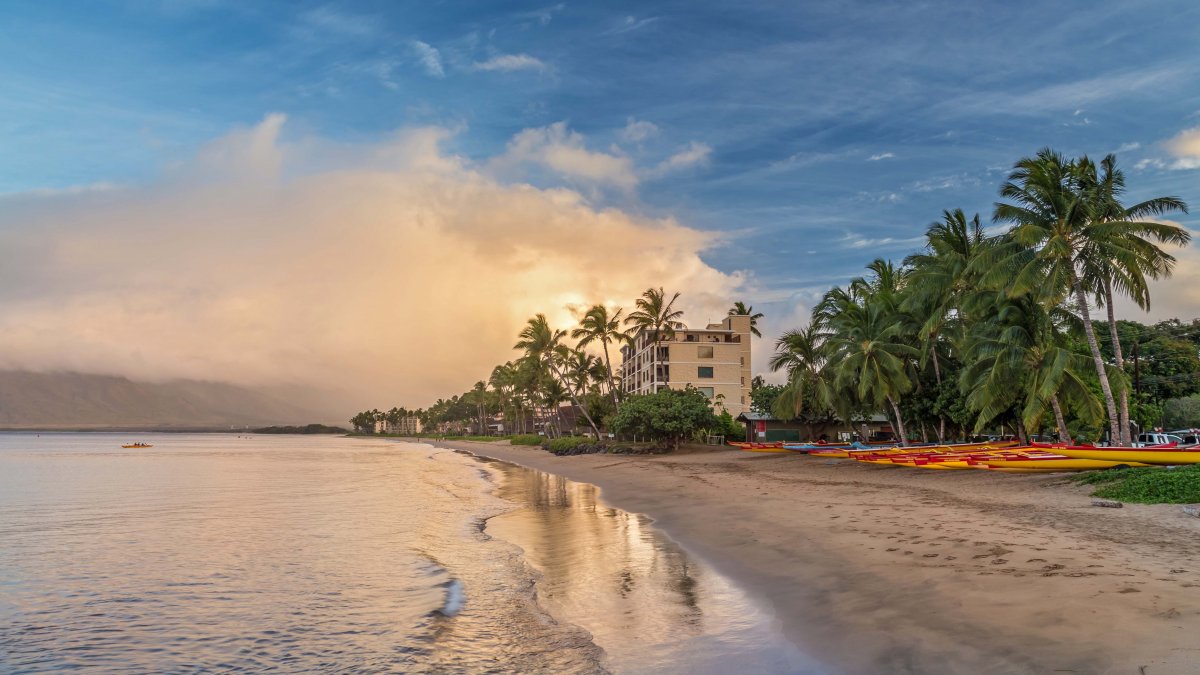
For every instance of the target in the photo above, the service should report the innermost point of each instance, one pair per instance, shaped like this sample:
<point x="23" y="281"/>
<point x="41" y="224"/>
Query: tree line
<point x="978" y="330"/>
<point x="557" y="366"/>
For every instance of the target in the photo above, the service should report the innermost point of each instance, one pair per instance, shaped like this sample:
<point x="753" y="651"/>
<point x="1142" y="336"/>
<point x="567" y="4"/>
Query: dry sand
<point x="891" y="570"/>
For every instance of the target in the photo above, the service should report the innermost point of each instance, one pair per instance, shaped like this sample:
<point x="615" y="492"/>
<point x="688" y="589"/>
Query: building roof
<point x="760" y="417"/>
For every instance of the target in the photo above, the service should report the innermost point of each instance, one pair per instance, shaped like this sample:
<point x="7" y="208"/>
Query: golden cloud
<point x="392" y="272"/>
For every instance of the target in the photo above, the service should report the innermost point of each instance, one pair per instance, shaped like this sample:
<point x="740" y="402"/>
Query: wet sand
<point x="885" y="569"/>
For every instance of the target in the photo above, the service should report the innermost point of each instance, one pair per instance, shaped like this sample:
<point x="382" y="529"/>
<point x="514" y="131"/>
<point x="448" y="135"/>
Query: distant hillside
<point x="79" y="401"/>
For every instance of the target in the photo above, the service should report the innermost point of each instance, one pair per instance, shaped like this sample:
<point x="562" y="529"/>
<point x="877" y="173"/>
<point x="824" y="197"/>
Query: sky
<point x="372" y="197"/>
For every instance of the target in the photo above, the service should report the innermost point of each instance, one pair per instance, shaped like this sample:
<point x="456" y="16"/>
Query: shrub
<point x="1182" y="412"/>
<point x="669" y="415"/>
<point x="560" y="446"/>
<point x="526" y="439"/>
<point x="1147" y="485"/>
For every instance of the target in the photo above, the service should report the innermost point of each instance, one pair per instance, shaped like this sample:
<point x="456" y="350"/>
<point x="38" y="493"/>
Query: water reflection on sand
<point x="647" y="603"/>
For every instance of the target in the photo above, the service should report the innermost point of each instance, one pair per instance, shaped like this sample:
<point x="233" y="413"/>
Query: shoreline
<point x="883" y="569"/>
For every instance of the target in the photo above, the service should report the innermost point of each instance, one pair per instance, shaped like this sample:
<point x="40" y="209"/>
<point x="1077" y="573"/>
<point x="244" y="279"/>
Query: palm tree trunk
<point x="574" y="400"/>
<point x="899" y="422"/>
<point x="1120" y="356"/>
<point x="1101" y="373"/>
<point x="1063" y="434"/>
<point x="612" y="387"/>
<point x="937" y="376"/>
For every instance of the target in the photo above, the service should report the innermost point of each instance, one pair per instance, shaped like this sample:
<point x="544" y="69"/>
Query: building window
<point x="704" y="372"/>
<point x="742" y="360"/>
<point x="743" y="400"/>
<point x="704" y="352"/>
<point x="743" y="380"/>
<point x="707" y="391"/>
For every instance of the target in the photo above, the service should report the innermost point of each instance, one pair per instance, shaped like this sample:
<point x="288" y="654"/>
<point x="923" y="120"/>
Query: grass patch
<point x="482" y="439"/>
<point x="1146" y="485"/>
<point x="526" y="439"/>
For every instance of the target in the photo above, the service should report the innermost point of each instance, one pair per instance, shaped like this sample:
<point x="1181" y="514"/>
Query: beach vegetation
<point x="669" y="415"/>
<point x="979" y="332"/>
<point x="1182" y="413"/>
<point x="1146" y="485"/>
<point x="603" y="326"/>
<point x="526" y="439"/>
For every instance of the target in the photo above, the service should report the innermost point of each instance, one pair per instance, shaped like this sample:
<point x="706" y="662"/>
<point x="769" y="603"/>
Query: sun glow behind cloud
<point x="394" y="272"/>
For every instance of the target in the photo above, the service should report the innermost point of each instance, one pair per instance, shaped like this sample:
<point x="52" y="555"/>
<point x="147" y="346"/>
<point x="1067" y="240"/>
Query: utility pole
<point x="1137" y="371"/>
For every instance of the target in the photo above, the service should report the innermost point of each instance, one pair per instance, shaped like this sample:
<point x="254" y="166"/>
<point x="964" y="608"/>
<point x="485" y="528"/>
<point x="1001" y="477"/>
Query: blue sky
<point x="818" y="135"/>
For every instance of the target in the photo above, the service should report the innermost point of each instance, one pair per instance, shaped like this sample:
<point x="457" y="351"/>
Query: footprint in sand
<point x="893" y="549"/>
<point x="1036" y="560"/>
<point x="931" y="555"/>
<point x="1129" y="590"/>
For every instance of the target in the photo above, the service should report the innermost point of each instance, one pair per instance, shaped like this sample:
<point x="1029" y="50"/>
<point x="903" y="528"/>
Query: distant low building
<point x="715" y="360"/>
<point x="406" y="426"/>
<point x="765" y="428"/>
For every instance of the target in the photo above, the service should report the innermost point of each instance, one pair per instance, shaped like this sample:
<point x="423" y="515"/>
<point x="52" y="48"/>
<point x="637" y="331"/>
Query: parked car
<point x="1158" y="438"/>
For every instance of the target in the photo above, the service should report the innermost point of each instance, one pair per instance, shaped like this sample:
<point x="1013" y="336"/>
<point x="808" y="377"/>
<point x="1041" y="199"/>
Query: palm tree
<point x="1045" y="250"/>
<point x="503" y="382"/>
<point x="598" y="325"/>
<point x="657" y="317"/>
<point x="869" y="360"/>
<point x="543" y="345"/>
<point x="1021" y="357"/>
<point x="1061" y="244"/>
<point x="940" y="279"/>
<point x="799" y="353"/>
<point x="740" y="309"/>
<point x="1104" y="189"/>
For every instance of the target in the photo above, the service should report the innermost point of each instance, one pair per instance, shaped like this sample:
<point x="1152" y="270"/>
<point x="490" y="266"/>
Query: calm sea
<point x="292" y="553"/>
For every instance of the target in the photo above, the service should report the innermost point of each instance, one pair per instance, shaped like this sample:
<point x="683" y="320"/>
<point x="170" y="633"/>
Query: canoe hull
<point x="1127" y="455"/>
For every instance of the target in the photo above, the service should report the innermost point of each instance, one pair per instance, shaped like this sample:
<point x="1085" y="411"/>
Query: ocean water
<point x="297" y="554"/>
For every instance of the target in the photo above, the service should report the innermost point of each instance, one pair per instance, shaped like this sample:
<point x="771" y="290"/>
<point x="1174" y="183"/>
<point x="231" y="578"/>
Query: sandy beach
<point x="884" y="569"/>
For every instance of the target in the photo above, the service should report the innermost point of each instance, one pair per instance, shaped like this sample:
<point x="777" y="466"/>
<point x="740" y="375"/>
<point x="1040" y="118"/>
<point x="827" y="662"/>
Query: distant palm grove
<point x="972" y="332"/>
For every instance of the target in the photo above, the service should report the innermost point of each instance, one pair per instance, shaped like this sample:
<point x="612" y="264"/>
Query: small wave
<point x="455" y="598"/>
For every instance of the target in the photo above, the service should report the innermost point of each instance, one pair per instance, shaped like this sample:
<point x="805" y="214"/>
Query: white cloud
<point x="430" y="58"/>
<point x="1175" y="297"/>
<point x="631" y="23"/>
<point x="1128" y="147"/>
<point x="694" y="154"/>
<point x="543" y="16"/>
<point x="511" y="62"/>
<point x="882" y="155"/>
<point x="636" y="131"/>
<point x="325" y="22"/>
<point x="1185" y="147"/>
<point x="391" y="272"/>
<point x="1068" y="95"/>
<point x="564" y="151"/>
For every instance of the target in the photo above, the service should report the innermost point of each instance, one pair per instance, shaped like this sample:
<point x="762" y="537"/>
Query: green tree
<point x="1123" y="256"/>
<point x="1182" y="413"/>
<point x="599" y="325"/>
<point x="667" y="415"/>
<point x="543" y="345"/>
<point x="1060" y="245"/>
<point x="799" y="353"/>
<point x="657" y="318"/>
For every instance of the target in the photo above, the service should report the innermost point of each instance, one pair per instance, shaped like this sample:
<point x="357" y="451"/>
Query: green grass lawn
<point x="1146" y="485"/>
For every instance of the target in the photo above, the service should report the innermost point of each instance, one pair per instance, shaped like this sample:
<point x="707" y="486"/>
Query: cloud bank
<point x="392" y="272"/>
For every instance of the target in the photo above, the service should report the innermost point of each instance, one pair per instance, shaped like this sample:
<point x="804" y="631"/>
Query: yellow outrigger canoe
<point x="1128" y="455"/>
<point x="1057" y="464"/>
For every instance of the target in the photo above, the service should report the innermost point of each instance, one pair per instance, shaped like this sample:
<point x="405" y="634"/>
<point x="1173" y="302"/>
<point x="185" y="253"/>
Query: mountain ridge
<point x="79" y="401"/>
